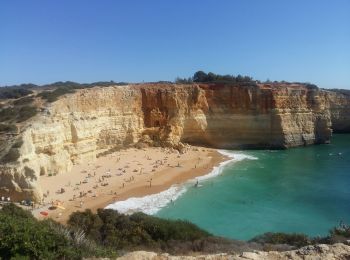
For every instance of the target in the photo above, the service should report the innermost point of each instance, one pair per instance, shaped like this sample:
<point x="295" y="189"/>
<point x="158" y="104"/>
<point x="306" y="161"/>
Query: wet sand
<point x="122" y="175"/>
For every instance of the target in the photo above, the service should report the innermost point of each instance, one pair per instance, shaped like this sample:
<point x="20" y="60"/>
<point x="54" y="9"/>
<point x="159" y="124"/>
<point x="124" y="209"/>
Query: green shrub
<point x="25" y="113"/>
<point x="122" y="231"/>
<point x="14" y="92"/>
<point x="18" y="114"/>
<point x="294" y="239"/>
<point x="23" y="101"/>
<point x="52" y="96"/>
<point x="18" y="144"/>
<point x="8" y="128"/>
<point x="15" y="212"/>
<point x="201" y="76"/>
<point x="341" y="230"/>
<point x="11" y="156"/>
<point x="165" y="230"/>
<point x="24" y="237"/>
<point x="9" y="113"/>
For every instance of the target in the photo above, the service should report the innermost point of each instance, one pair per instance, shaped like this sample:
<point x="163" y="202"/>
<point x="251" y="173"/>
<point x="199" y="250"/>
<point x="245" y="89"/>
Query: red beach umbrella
<point x="44" y="213"/>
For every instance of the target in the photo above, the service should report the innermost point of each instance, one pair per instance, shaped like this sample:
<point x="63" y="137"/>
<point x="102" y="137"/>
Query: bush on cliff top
<point x="24" y="237"/>
<point x="8" y="128"/>
<point x="88" y="234"/>
<point x="108" y="227"/>
<point x="52" y="96"/>
<point x="11" y="156"/>
<point x="14" y="92"/>
<point x="201" y="76"/>
<point x="23" y="101"/>
<point x="99" y="235"/>
<point x="17" y="114"/>
<point x="295" y="239"/>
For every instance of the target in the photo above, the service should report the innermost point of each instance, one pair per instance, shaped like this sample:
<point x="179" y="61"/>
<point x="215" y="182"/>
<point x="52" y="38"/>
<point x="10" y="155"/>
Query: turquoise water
<point x="297" y="190"/>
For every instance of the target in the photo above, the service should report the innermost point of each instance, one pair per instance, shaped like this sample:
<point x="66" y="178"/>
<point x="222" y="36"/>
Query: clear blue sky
<point x="86" y="40"/>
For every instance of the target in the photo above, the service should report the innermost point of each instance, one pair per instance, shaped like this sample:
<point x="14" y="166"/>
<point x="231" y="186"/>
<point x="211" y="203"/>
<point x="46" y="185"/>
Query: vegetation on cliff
<point x="56" y="89"/>
<point x="15" y="91"/>
<point x="52" y="96"/>
<point x="107" y="232"/>
<point x="338" y="234"/>
<point x="8" y="128"/>
<point x="345" y="92"/>
<point x="202" y="77"/>
<point x="62" y="88"/>
<point x="17" y="114"/>
<point x="87" y="234"/>
<point x="120" y="231"/>
<point x="24" y="237"/>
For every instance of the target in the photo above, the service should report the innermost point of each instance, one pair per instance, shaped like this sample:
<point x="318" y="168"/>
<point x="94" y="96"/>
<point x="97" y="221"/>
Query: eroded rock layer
<point x="314" y="252"/>
<point x="80" y="126"/>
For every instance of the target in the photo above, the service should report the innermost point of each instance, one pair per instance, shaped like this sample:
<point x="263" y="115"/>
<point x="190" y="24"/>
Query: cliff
<point x="80" y="126"/>
<point x="339" y="105"/>
<point x="326" y="252"/>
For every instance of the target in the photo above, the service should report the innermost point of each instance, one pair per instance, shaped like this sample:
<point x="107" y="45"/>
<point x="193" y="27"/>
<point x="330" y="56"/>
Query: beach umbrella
<point x="44" y="213"/>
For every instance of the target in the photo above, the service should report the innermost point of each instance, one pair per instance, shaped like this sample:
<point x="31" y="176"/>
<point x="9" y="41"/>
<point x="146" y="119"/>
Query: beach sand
<point x="121" y="175"/>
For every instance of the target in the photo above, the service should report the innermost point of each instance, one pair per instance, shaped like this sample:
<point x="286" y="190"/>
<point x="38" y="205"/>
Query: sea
<point x="299" y="190"/>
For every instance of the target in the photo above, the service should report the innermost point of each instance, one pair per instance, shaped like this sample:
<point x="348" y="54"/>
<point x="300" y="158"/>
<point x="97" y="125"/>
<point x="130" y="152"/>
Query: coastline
<point x="151" y="204"/>
<point x="131" y="172"/>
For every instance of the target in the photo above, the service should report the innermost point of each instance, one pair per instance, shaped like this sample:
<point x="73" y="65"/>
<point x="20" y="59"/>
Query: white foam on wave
<point x="234" y="157"/>
<point x="151" y="204"/>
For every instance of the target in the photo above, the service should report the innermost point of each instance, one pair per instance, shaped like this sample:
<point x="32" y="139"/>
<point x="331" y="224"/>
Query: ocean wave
<point x="217" y="170"/>
<point x="151" y="204"/>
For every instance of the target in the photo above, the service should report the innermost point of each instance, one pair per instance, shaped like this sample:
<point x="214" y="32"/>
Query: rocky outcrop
<point x="80" y="126"/>
<point x="316" y="252"/>
<point x="229" y="116"/>
<point x="339" y="107"/>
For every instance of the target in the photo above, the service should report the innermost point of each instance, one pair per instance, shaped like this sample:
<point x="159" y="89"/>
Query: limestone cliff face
<point x="79" y="126"/>
<point x="227" y="116"/>
<point x="339" y="107"/>
<point x="72" y="130"/>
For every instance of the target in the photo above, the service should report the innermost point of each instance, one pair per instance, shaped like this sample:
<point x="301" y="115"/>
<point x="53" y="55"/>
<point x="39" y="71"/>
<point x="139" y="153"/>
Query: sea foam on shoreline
<point x="151" y="204"/>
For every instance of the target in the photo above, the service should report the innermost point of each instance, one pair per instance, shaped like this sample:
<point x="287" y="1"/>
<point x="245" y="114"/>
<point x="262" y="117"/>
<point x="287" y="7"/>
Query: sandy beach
<point x="121" y="175"/>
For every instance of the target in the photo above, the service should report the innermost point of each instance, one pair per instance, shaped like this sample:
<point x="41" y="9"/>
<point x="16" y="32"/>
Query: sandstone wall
<point x="227" y="116"/>
<point x="79" y="126"/>
<point x="72" y="130"/>
<point x="339" y="106"/>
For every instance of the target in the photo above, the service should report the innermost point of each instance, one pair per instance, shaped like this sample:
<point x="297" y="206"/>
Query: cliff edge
<point x="82" y="125"/>
<point x="315" y="252"/>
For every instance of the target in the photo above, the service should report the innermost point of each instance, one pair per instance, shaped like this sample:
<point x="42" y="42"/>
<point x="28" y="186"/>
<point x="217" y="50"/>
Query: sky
<point x="134" y="41"/>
